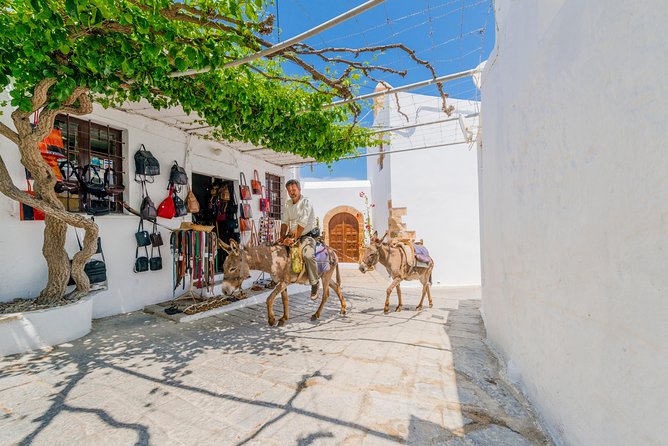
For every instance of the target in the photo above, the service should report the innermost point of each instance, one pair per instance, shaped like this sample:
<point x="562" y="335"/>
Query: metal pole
<point x="364" y="155"/>
<point x="411" y="126"/>
<point x="278" y="47"/>
<point x="438" y="80"/>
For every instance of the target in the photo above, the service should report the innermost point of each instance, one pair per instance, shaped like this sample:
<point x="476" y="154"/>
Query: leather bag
<point x="244" y="190"/>
<point x="256" y="185"/>
<point x="191" y="202"/>
<point x="180" y="208"/>
<point x="177" y="174"/>
<point x="166" y="209"/>
<point x="142" y="236"/>
<point x="145" y="165"/>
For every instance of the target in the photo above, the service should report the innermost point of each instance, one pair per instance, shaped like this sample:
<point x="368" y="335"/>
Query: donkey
<point x="275" y="261"/>
<point x="394" y="260"/>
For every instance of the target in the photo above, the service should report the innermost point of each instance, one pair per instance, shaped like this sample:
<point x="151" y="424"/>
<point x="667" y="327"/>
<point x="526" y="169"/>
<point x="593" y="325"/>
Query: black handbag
<point x="178" y="174"/>
<point x="146" y="165"/>
<point x="156" y="237"/>
<point x="141" y="263"/>
<point x="155" y="263"/>
<point x="92" y="182"/>
<point x="96" y="270"/>
<point x="97" y="208"/>
<point x="147" y="210"/>
<point x="179" y="206"/>
<point x="142" y="236"/>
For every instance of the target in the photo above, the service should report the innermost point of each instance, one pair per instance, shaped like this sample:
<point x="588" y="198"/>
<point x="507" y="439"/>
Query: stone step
<point x="398" y="212"/>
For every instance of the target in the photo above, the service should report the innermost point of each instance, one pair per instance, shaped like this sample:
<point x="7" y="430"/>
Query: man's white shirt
<point x="300" y="213"/>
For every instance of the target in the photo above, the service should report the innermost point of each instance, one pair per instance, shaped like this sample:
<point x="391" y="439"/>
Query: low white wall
<point x="22" y="332"/>
<point x="23" y="269"/>
<point x="575" y="214"/>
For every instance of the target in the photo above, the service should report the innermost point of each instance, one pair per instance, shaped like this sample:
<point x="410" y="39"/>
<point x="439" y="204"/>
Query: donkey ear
<point x="234" y="247"/>
<point x="224" y="246"/>
<point x="381" y="240"/>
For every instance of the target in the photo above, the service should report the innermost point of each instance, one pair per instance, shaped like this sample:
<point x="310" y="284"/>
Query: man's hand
<point x="288" y="241"/>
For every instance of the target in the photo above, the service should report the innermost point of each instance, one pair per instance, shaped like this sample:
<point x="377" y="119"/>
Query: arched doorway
<point x="344" y="236"/>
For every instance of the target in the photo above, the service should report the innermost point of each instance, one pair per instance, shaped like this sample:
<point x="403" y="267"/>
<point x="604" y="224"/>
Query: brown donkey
<point x="394" y="260"/>
<point x="275" y="261"/>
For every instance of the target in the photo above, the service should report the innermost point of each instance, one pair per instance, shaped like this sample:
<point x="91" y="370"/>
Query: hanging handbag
<point x="166" y="208"/>
<point x="224" y="192"/>
<point x="96" y="270"/>
<point x="244" y="190"/>
<point x="265" y="204"/>
<point x="180" y="209"/>
<point x="70" y="178"/>
<point x="92" y="182"/>
<point x="156" y="237"/>
<point x="145" y="165"/>
<point x="245" y="209"/>
<point x="244" y="225"/>
<point x="191" y="202"/>
<point x="178" y="175"/>
<point x="155" y="263"/>
<point x="221" y="210"/>
<point x="141" y="263"/>
<point x="256" y="185"/>
<point x="142" y="236"/>
<point x="147" y="209"/>
<point x="29" y="212"/>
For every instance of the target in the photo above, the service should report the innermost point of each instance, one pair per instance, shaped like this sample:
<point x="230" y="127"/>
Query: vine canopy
<point x="125" y="50"/>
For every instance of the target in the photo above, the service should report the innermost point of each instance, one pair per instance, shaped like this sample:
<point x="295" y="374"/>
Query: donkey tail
<point x="430" y="279"/>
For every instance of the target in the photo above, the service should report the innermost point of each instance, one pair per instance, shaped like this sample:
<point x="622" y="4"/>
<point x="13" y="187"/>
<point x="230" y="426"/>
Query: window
<point x="274" y="191"/>
<point x="98" y="145"/>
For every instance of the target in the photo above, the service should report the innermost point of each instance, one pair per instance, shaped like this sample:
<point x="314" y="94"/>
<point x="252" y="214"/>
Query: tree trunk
<point x="57" y="218"/>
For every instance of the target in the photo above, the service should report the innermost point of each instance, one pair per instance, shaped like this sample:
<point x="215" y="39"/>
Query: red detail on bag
<point x="265" y="204"/>
<point x="28" y="213"/>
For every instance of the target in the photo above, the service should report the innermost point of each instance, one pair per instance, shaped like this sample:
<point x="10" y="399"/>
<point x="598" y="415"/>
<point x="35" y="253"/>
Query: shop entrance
<point x="218" y="207"/>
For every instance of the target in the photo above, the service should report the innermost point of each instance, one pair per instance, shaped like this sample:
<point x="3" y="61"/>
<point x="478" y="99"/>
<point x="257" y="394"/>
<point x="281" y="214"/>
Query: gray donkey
<point x="275" y="261"/>
<point x="394" y="260"/>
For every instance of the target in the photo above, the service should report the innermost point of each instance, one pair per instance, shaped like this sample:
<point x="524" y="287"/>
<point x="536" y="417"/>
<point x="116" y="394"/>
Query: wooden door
<point x="344" y="237"/>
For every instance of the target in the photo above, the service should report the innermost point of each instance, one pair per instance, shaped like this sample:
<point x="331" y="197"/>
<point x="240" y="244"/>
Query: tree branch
<point x="9" y="133"/>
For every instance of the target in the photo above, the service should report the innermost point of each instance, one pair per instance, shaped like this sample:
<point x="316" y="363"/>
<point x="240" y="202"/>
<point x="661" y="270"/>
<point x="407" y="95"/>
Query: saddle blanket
<point x="416" y="255"/>
<point x="322" y="258"/>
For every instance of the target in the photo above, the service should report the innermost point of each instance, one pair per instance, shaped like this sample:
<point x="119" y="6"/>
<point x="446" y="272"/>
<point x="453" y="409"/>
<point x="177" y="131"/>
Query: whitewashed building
<point x="167" y="134"/>
<point x="433" y="174"/>
<point x="574" y="193"/>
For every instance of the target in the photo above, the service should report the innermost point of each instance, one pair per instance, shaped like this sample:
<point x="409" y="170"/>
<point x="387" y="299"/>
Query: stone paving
<point x="366" y="378"/>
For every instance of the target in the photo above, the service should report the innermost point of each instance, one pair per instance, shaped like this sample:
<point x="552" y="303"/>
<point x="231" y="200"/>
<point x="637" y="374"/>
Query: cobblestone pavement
<point x="365" y="378"/>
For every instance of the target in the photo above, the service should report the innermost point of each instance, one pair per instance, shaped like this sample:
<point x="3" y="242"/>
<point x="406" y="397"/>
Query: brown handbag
<point x="191" y="202"/>
<point x="256" y="185"/>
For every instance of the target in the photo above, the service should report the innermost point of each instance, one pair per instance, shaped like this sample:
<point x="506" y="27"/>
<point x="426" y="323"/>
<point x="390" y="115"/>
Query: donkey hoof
<point x="272" y="322"/>
<point x="281" y="322"/>
<point x="343" y="312"/>
<point x="398" y="309"/>
<point x="386" y="310"/>
<point x="430" y="305"/>
<point x="418" y="308"/>
<point x="315" y="317"/>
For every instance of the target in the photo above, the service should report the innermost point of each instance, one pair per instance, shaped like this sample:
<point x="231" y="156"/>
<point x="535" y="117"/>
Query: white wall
<point x="380" y="179"/>
<point x="327" y="195"/>
<point x="575" y="223"/>
<point x="23" y="269"/>
<point x="438" y="186"/>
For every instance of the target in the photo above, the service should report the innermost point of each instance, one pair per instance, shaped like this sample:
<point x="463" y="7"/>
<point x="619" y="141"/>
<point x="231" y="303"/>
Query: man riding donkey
<point x="297" y="230"/>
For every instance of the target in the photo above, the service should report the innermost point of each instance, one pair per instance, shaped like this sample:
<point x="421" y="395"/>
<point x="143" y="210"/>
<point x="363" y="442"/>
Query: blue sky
<point x="453" y="35"/>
